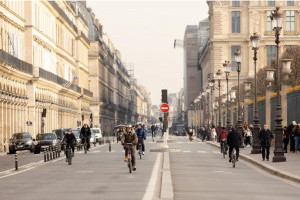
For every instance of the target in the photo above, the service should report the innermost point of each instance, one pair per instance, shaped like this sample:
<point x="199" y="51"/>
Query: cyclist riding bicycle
<point x="234" y="141"/>
<point x="153" y="130"/>
<point x="85" y="135"/>
<point x="223" y="138"/>
<point x="141" y="134"/>
<point x="129" y="136"/>
<point x="70" y="140"/>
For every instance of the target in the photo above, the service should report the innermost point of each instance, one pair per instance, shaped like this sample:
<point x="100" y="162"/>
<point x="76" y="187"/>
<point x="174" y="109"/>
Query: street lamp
<point x="227" y="69"/>
<point x="256" y="146"/>
<point x="207" y="91"/>
<point x="203" y="105"/>
<point x="277" y="19"/>
<point x="219" y="76"/>
<point x="238" y="60"/>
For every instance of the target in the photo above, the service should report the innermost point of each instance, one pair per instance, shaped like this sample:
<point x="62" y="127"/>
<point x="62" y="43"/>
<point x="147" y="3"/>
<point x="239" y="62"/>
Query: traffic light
<point x="164" y="96"/>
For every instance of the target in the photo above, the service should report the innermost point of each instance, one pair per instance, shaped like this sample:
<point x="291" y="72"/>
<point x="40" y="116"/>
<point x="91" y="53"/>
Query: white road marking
<point x="186" y="151"/>
<point x="202" y="151"/>
<point x="222" y="172"/>
<point x="179" y="142"/>
<point x="152" y="183"/>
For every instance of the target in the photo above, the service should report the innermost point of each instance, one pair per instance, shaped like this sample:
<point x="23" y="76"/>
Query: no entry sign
<point x="164" y="108"/>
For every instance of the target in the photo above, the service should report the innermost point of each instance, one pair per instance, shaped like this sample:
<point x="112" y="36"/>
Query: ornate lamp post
<point x="227" y="69"/>
<point x="219" y="76"/>
<point x="277" y="19"/>
<point x="239" y="126"/>
<point x="212" y="87"/>
<point x="256" y="147"/>
<point x="207" y="91"/>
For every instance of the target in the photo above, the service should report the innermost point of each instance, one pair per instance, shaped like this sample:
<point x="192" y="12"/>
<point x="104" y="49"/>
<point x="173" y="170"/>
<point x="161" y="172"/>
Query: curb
<point x="166" y="192"/>
<point x="267" y="168"/>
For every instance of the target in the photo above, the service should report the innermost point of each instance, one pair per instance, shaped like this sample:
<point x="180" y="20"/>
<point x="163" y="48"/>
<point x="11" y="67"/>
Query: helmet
<point x="69" y="130"/>
<point x="129" y="126"/>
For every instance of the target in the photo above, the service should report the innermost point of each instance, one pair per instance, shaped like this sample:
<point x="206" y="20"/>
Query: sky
<point x="144" y="32"/>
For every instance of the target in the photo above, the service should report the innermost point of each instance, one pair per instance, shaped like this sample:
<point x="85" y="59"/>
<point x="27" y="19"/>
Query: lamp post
<point x="256" y="147"/>
<point x="277" y="19"/>
<point x="207" y="91"/>
<point x="212" y="87"/>
<point x="239" y="126"/>
<point x="227" y="70"/>
<point x="219" y="76"/>
<point x="203" y="106"/>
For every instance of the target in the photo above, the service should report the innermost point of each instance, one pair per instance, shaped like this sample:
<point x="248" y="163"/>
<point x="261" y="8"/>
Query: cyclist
<point x="129" y="136"/>
<point x="153" y="129"/>
<point x="234" y="141"/>
<point x="70" y="140"/>
<point x="223" y="138"/>
<point x="85" y="135"/>
<point x="141" y="134"/>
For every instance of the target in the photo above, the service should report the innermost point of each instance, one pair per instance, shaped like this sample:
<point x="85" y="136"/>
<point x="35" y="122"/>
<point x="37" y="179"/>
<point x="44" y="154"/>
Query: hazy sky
<point x="144" y="32"/>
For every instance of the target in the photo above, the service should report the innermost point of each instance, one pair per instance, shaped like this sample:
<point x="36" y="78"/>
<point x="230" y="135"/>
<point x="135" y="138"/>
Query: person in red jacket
<point x="223" y="138"/>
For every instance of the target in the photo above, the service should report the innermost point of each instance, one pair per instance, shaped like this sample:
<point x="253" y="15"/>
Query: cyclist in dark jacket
<point x="141" y="134"/>
<point x="85" y="135"/>
<point x="70" y="140"/>
<point x="265" y="137"/>
<point x="234" y="140"/>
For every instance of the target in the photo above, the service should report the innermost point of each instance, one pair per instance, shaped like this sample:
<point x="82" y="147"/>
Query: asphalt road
<point x="200" y="172"/>
<point x="97" y="175"/>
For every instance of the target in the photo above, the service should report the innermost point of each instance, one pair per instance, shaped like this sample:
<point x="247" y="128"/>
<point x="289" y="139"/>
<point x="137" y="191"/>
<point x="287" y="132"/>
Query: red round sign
<point x="164" y="108"/>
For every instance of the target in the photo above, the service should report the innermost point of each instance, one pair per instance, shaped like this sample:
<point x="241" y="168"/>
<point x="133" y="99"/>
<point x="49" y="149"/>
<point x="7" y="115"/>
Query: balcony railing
<point x="15" y="62"/>
<point x="58" y="80"/>
<point x="87" y="92"/>
<point x="63" y="15"/>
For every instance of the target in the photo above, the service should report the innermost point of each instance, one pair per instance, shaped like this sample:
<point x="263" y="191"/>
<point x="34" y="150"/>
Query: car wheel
<point x="37" y="151"/>
<point x="12" y="151"/>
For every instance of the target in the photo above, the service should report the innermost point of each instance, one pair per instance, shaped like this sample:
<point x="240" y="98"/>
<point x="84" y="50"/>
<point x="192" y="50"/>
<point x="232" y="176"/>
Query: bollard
<point x="50" y="151"/>
<point x="56" y="151"/>
<point x="45" y="157"/>
<point x="16" y="162"/>
<point x="53" y="153"/>
<point x="59" y="152"/>
<point x="109" y="146"/>
<point x="47" y="154"/>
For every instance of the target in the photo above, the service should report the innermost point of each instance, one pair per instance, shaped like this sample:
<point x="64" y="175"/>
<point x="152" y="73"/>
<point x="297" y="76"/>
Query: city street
<point x="198" y="172"/>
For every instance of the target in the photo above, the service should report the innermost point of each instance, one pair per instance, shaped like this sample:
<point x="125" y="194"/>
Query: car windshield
<point x="22" y="136"/>
<point x="46" y="136"/>
<point x="95" y="131"/>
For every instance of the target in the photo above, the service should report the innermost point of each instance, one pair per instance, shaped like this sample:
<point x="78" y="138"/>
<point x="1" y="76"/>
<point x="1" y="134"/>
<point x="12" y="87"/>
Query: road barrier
<point x="16" y="162"/>
<point x="109" y="147"/>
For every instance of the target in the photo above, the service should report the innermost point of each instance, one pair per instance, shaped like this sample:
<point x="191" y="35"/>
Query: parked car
<point x="60" y="134"/>
<point x="77" y="135"/>
<point x="98" y="135"/>
<point x="20" y="141"/>
<point x="45" y="140"/>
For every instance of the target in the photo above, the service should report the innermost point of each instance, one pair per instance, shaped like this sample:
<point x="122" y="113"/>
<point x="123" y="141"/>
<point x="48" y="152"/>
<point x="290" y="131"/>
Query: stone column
<point x="284" y="87"/>
<point x="269" y="91"/>
<point x="31" y="109"/>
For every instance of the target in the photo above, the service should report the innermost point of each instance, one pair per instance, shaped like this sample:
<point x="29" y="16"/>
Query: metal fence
<point x="87" y="92"/>
<point x="293" y="107"/>
<point x="250" y="114"/>
<point x="262" y="112"/>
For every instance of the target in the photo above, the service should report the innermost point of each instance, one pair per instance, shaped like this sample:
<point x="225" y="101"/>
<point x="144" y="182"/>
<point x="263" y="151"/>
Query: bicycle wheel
<point x="129" y="164"/>
<point x="85" y="148"/>
<point x="233" y="161"/>
<point x="69" y="157"/>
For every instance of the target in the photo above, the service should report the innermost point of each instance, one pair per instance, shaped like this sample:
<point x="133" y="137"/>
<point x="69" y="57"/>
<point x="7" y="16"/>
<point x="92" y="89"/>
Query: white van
<point x="98" y="135"/>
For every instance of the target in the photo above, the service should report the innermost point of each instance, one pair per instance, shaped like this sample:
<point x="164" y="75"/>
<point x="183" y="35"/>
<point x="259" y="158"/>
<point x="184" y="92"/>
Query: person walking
<point x="213" y="134"/>
<point x="286" y="139"/>
<point x="248" y="135"/>
<point x="289" y="131"/>
<point x="296" y="132"/>
<point x="265" y="137"/>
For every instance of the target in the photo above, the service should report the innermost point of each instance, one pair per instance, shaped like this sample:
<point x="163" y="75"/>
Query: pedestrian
<point x="190" y="133"/>
<point x="265" y="137"/>
<point x="248" y="135"/>
<point x="286" y="139"/>
<point x="296" y="132"/>
<point x="213" y="134"/>
<point x="234" y="141"/>
<point x="208" y="134"/>
<point x="289" y="131"/>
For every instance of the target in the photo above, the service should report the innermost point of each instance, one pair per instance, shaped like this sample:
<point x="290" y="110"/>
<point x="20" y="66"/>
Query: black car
<point x="60" y="134"/>
<point x="77" y="135"/>
<point x="20" y="141"/>
<point x="44" y="141"/>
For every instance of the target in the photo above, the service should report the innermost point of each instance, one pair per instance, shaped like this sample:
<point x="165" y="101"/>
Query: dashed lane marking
<point x="186" y="151"/>
<point x="202" y="151"/>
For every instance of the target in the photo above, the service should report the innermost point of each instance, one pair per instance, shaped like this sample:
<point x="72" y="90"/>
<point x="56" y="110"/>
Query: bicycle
<point x="233" y="158"/>
<point x="223" y="148"/>
<point x="84" y="145"/>
<point x="69" y="154"/>
<point x="129" y="161"/>
<point x="153" y="136"/>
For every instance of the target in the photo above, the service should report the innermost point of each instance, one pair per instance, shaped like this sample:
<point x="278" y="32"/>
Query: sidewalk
<point x="289" y="170"/>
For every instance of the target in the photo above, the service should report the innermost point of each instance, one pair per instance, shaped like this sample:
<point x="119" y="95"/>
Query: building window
<point x="236" y="3"/>
<point x="288" y="46"/>
<point x="269" y="21"/>
<point x="290" y="3"/>
<point x="271" y="3"/>
<point x="233" y="63"/>
<point x="271" y="53"/>
<point x="290" y="20"/>
<point x="235" y="22"/>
